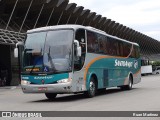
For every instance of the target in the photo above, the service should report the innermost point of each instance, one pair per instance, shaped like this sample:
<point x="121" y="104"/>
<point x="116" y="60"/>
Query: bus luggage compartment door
<point x="105" y="77"/>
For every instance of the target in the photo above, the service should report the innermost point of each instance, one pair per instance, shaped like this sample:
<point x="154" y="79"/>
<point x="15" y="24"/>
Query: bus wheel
<point x="51" y="96"/>
<point x="129" y="86"/>
<point x="92" y="88"/>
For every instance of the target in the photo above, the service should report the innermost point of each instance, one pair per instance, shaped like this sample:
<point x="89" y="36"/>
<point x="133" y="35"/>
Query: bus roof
<point x="47" y="28"/>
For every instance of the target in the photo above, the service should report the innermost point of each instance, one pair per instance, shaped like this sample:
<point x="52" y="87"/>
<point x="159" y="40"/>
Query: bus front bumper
<point x="47" y="88"/>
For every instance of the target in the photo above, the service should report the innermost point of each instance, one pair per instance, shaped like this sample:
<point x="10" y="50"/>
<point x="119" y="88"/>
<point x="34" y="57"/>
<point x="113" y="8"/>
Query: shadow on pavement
<point x="74" y="97"/>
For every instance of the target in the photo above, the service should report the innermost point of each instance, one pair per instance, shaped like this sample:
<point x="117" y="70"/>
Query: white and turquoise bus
<point x="77" y="59"/>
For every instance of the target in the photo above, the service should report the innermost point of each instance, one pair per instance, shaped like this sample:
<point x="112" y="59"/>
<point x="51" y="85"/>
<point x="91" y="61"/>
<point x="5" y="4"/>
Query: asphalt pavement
<point x="144" y="96"/>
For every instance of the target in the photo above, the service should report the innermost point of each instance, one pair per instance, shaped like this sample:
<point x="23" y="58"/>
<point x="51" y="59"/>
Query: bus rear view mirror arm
<point x="19" y="43"/>
<point x="16" y="49"/>
<point x="78" y="48"/>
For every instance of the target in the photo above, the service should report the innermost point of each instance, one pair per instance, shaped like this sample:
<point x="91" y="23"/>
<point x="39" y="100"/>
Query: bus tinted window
<point x="92" y="43"/>
<point x="113" y="47"/>
<point x="101" y="44"/>
<point x="116" y="44"/>
<point x="121" y="48"/>
<point x="133" y="54"/>
<point x="137" y="52"/>
<point x="126" y="49"/>
<point x="102" y="41"/>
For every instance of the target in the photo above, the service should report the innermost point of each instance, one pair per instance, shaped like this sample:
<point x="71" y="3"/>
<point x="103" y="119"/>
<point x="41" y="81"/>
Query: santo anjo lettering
<point x="43" y="77"/>
<point x="123" y="63"/>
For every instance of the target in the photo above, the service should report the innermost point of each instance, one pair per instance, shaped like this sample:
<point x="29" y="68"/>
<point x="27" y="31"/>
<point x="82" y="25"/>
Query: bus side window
<point x="101" y="44"/>
<point x="137" y="52"/>
<point x="112" y="46"/>
<point x="105" y="45"/>
<point x="109" y="46"/>
<point x="106" y="51"/>
<point x="127" y="48"/>
<point x="92" y="43"/>
<point x="133" y="54"/>
<point x="121" y="49"/>
<point x="116" y="44"/>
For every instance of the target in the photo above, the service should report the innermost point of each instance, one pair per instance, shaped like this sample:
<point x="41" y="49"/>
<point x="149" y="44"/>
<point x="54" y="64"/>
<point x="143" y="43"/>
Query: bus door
<point x="78" y="75"/>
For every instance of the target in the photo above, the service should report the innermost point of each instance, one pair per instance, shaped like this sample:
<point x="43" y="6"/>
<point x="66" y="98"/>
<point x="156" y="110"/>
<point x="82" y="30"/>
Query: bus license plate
<point x="42" y="89"/>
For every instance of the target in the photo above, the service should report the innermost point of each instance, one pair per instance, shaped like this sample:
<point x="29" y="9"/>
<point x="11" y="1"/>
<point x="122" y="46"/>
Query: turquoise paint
<point x="116" y="72"/>
<point x="88" y="81"/>
<point x="48" y="79"/>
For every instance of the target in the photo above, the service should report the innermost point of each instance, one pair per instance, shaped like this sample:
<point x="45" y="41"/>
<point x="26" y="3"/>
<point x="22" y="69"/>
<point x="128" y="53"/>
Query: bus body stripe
<point x="138" y="72"/>
<point x="93" y="61"/>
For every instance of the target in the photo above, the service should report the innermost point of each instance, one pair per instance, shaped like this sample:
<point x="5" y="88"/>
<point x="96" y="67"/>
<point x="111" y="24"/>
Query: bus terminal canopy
<point x="21" y="15"/>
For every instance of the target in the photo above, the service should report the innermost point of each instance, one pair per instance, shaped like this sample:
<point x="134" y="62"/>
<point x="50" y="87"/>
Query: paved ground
<point x="144" y="97"/>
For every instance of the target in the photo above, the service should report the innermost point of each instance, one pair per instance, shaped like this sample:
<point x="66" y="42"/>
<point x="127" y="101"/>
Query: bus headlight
<point x="25" y="82"/>
<point x="64" y="80"/>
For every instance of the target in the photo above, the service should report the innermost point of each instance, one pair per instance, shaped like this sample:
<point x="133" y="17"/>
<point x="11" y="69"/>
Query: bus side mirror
<point x="16" y="52"/>
<point x="16" y="49"/>
<point x="79" y="51"/>
<point x="78" y="48"/>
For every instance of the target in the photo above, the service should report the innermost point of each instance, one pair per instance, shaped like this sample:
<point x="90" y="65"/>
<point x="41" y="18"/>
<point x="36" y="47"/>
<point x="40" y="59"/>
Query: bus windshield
<point x="48" y="51"/>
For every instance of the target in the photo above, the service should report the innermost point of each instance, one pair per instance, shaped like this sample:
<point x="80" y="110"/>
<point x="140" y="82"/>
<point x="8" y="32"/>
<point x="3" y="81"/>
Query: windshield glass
<point x="48" y="51"/>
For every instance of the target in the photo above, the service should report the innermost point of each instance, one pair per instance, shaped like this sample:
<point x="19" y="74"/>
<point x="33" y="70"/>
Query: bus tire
<point x="92" y="88"/>
<point x="51" y="96"/>
<point x="129" y="86"/>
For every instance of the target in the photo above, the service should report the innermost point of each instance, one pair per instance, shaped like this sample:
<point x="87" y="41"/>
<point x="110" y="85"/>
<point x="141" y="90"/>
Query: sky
<point x="140" y="15"/>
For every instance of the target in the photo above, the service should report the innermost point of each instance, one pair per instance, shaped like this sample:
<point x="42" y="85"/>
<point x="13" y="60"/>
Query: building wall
<point x="9" y="69"/>
<point x="5" y="65"/>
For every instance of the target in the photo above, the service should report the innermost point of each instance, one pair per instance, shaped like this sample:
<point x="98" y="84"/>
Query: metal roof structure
<point x="22" y="15"/>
